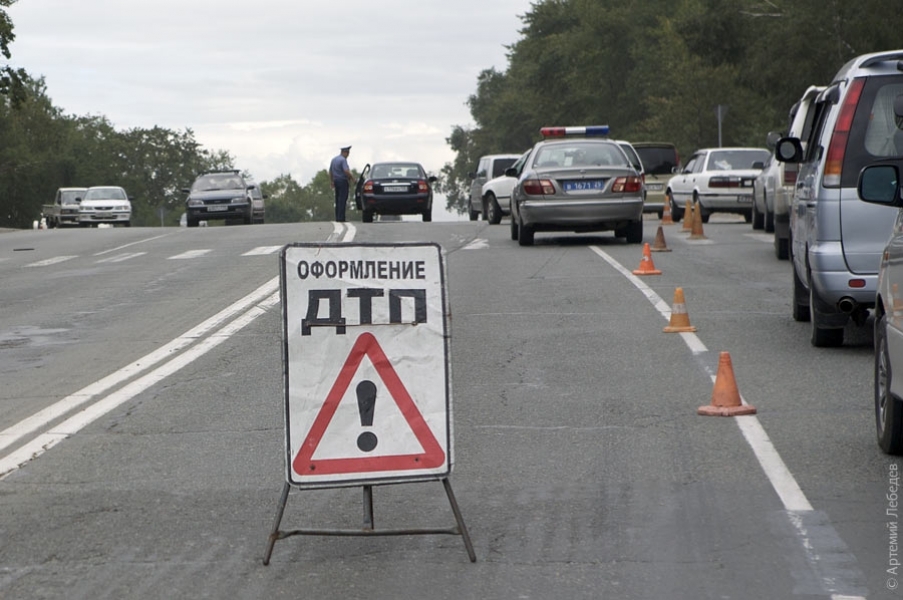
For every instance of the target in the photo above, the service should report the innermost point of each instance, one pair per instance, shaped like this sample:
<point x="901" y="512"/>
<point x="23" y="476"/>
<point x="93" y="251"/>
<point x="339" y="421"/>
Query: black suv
<point x="222" y="195"/>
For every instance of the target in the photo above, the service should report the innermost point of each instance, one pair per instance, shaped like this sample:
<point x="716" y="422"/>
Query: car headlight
<point x="195" y="202"/>
<point x="239" y="200"/>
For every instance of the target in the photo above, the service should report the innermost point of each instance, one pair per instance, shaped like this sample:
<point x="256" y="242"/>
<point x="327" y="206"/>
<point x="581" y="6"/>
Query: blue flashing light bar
<point x="586" y="131"/>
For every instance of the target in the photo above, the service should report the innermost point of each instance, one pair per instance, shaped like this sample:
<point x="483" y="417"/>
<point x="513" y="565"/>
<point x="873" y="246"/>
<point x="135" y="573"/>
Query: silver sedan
<point x="573" y="181"/>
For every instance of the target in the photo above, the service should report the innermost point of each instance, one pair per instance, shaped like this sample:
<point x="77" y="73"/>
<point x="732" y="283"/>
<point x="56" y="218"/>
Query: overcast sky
<point x="280" y="84"/>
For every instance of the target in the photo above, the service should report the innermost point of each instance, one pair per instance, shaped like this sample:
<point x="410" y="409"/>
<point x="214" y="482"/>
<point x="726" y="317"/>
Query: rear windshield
<point x="728" y="160"/>
<point x="657" y="160"/>
<point x="500" y="165"/>
<point x="396" y="170"/>
<point x="580" y="153"/>
<point x="876" y="133"/>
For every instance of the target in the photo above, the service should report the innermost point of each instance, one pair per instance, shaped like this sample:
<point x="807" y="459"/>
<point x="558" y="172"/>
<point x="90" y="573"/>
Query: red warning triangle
<point x="432" y="456"/>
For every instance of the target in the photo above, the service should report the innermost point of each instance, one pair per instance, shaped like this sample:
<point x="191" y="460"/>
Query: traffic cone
<point x="726" y="400"/>
<point x="680" y="320"/>
<point x="659" y="244"/>
<point x="667" y="219"/>
<point x="647" y="267"/>
<point x="688" y="217"/>
<point x="696" y="233"/>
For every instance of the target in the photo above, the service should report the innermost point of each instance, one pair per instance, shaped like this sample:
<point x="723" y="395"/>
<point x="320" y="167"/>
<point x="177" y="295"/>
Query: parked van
<point x="774" y="186"/>
<point x="836" y="241"/>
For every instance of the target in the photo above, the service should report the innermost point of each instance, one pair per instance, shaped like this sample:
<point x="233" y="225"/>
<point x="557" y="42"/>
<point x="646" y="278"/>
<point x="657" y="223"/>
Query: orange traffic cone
<point x="647" y="267"/>
<point x="696" y="233"/>
<point x="666" y="211"/>
<point x="688" y="217"/>
<point x="680" y="320"/>
<point x="659" y="244"/>
<point x="726" y="401"/>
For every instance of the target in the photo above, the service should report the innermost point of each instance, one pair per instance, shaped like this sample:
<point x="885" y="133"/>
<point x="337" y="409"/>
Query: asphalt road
<point x="142" y="426"/>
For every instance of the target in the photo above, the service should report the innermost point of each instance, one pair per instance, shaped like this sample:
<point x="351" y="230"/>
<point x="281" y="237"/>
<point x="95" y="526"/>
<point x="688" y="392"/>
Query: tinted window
<point x="657" y="160"/>
<point x="580" y="153"/>
<point x="876" y="131"/>
<point x="500" y="165"/>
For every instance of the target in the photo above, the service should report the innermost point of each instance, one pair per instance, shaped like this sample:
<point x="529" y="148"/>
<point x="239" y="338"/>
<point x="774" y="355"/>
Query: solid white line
<point x="150" y="239"/>
<point x="85" y="417"/>
<point x="60" y="408"/>
<point x="121" y="257"/>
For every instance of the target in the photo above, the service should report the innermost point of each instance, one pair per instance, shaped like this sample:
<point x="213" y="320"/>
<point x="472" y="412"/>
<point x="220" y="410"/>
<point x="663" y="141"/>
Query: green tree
<point x="12" y="81"/>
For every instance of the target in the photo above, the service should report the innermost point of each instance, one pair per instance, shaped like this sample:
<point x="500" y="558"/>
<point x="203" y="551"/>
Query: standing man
<point x="340" y="178"/>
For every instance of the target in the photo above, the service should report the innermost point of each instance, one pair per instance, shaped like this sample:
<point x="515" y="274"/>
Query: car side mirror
<point x="510" y="172"/>
<point x="186" y="190"/>
<point x="788" y="149"/>
<point x="758" y="165"/>
<point x="78" y="200"/>
<point x="880" y="184"/>
<point x="771" y="140"/>
<point x="433" y="179"/>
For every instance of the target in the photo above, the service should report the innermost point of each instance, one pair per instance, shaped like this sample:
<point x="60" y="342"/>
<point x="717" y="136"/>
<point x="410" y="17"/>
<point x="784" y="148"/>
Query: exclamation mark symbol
<point x="366" y="402"/>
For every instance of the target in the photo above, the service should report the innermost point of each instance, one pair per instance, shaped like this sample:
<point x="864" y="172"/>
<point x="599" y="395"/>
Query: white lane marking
<point x="42" y="418"/>
<point x="262" y="250"/>
<point x="780" y="477"/>
<point x="51" y="261"/>
<point x="477" y="244"/>
<point x="121" y="257"/>
<point x="761" y="237"/>
<point x="117" y="248"/>
<point x="85" y="417"/>
<point x="191" y="254"/>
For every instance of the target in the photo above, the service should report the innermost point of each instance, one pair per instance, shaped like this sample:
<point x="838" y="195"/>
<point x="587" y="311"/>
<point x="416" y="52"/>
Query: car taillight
<point x="838" y="145"/>
<point x="790" y="171"/>
<point x="368" y="187"/>
<point x="724" y="182"/>
<point x="538" y="187"/>
<point x="627" y="184"/>
<point x="422" y="187"/>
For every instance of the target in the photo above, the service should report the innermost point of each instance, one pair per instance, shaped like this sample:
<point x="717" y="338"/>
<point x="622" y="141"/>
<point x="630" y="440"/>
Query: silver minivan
<point x="836" y="241"/>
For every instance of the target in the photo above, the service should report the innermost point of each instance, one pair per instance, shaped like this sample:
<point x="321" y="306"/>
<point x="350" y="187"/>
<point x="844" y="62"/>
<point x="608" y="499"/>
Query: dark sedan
<point x="395" y="188"/>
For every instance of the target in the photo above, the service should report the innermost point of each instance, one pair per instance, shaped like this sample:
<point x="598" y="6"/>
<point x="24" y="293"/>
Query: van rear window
<point x="657" y="160"/>
<point x="876" y="132"/>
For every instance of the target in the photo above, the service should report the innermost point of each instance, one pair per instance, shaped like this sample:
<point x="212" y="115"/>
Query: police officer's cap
<point x="346" y="149"/>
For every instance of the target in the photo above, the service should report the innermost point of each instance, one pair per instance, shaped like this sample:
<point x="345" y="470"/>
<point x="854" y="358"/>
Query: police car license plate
<point x="583" y="185"/>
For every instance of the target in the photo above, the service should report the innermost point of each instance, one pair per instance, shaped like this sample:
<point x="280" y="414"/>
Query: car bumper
<point x="609" y="214"/>
<point x="740" y="203"/>
<point x="831" y="278"/>
<point x="396" y="205"/>
<point x="104" y="218"/>
<point x="228" y="211"/>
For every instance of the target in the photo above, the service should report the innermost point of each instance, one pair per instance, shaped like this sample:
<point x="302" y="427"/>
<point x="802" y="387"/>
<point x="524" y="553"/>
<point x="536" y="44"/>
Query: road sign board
<point x="366" y="365"/>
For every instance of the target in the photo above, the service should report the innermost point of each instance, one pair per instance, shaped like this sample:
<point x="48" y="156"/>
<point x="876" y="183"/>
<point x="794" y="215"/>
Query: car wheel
<point x="676" y="213"/>
<point x="800" y="299"/>
<point x="888" y="409"/>
<point x="367" y="216"/>
<point x="428" y="215"/>
<point x="747" y="217"/>
<point x="822" y="337"/>
<point x="705" y="216"/>
<point x="493" y="210"/>
<point x="634" y="232"/>
<point x="769" y="221"/>
<point x="474" y="215"/>
<point x="525" y="235"/>
<point x="758" y="219"/>
<point x="128" y="223"/>
<point x="513" y="228"/>
<point x="191" y="222"/>
<point x="781" y="248"/>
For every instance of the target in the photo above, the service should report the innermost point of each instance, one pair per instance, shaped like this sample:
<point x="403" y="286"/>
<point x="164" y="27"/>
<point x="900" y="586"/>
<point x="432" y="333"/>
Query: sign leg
<point x="461" y="526"/>
<point x="274" y="534"/>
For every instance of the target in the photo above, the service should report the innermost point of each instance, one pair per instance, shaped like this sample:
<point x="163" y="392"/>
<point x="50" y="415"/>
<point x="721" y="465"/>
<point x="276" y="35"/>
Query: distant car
<point x="105" y="204"/>
<point x="222" y="195"/>
<point x="575" y="180"/>
<point x="773" y="188"/>
<point x="837" y="243"/>
<point x="880" y="184"/>
<point x="258" y="210"/>
<point x="717" y="180"/>
<point x="395" y="188"/>
<point x="64" y="210"/>
<point x="497" y="194"/>
<point x="659" y="161"/>
<point x="489" y="167"/>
